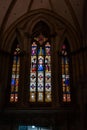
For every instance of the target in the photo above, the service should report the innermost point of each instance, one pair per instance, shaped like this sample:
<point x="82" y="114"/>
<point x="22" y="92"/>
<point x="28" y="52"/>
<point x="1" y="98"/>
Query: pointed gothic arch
<point x="15" y="74"/>
<point x="27" y="37"/>
<point x="40" y="89"/>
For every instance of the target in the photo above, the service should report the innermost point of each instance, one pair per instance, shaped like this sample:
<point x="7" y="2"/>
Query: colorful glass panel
<point x="15" y="75"/>
<point x="65" y="75"/>
<point x="40" y="71"/>
<point x="33" y="72"/>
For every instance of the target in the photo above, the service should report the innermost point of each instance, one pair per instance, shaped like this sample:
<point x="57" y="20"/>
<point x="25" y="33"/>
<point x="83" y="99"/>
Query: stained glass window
<point x="65" y="61"/>
<point x="15" y="75"/>
<point x="40" y="71"/>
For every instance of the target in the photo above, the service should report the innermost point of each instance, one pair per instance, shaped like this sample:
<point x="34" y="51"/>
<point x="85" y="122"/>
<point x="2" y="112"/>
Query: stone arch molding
<point x="22" y="29"/>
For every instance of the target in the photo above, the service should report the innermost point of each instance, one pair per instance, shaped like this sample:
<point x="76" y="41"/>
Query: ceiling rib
<point x="7" y="15"/>
<point x="72" y="12"/>
<point x="30" y="4"/>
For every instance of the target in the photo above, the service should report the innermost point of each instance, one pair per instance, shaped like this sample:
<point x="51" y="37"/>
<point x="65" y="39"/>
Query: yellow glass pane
<point x="17" y="81"/>
<point x="68" y="98"/>
<point x="14" y="66"/>
<point x="40" y="97"/>
<point x="14" y="69"/>
<point x="64" y="89"/>
<point x="63" y="70"/>
<point x="64" y="98"/>
<point x="66" y="66"/>
<point x="16" y="89"/>
<point x="12" y="98"/>
<point x="32" y="97"/>
<point x="67" y="71"/>
<point x="12" y="88"/>
<point x="68" y="89"/>
<point x="48" y="97"/>
<point x="17" y="69"/>
<point x="16" y="97"/>
<point x="47" y="64"/>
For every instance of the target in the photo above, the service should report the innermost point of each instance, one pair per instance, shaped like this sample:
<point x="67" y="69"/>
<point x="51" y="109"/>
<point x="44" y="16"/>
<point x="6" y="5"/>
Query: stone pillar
<point x="4" y="76"/>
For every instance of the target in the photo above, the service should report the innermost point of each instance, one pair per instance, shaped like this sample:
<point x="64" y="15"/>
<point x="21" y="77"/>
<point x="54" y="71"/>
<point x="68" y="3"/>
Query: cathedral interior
<point x="43" y="65"/>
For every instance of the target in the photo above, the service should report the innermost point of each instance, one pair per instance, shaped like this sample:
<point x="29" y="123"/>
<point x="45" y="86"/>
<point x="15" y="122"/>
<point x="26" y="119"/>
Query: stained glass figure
<point x="40" y="71"/>
<point x="47" y="48"/>
<point x="47" y="64"/>
<point x="40" y="63"/>
<point x="33" y="65"/>
<point x="34" y="48"/>
<point x="65" y="74"/>
<point x="41" y="51"/>
<point x="15" y="75"/>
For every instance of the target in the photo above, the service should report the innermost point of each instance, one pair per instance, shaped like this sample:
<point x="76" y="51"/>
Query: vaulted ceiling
<point x="71" y="10"/>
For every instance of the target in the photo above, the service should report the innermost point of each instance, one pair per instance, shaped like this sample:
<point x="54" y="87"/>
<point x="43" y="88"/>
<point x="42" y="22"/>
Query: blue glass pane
<point x="40" y="64"/>
<point x="13" y="81"/>
<point x="40" y="68"/>
<point x="67" y="81"/>
<point x="41" y="51"/>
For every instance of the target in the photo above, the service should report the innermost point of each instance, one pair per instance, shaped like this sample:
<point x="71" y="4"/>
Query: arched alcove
<point x="27" y="22"/>
<point x="28" y="31"/>
<point x="41" y="27"/>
